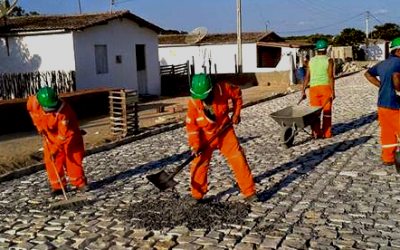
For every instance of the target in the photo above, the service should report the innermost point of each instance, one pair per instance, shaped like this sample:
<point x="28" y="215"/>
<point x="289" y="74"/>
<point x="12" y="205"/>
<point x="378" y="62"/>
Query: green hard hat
<point x="395" y="44"/>
<point x="201" y="86"/>
<point x="47" y="97"/>
<point x="322" y="45"/>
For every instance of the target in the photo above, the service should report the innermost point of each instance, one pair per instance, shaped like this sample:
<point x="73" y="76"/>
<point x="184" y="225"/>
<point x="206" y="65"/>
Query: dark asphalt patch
<point x="156" y="214"/>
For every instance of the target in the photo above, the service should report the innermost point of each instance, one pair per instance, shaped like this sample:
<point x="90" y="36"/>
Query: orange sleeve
<point x="236" y="95"/>
<point x="191" y="125"/>
<point x="64" y="132"/>
<point x="35" y="112"/>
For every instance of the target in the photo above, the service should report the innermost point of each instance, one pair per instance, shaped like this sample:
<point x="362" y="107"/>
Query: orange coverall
<point x="319" y="95"/>
<point x="35" y="111"/>
<point x="65" y="141"/>
<point x="200" y="129"/>
<point x="389" y="119"/>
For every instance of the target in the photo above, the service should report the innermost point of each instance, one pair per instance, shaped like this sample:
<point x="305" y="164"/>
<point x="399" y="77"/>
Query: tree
<point x="310" y="38"/>
<point x="18" y="10"/>
<point x="387" y="31"/>
<point x="350" y="37"/>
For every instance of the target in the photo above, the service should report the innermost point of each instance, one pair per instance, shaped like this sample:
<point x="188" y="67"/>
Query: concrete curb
<point x="38" y="167"/>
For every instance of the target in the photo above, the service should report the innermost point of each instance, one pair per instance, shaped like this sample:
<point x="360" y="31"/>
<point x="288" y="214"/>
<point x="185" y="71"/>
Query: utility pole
<point x="80" y="6"/>
<point x="112" y="3"/>
<point x="367" y="25"/>
<point x="239" y="35"/>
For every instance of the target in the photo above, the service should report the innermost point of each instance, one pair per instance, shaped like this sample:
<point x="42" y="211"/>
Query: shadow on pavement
<point x="153" y="165"/>
<point x="304" y="164"/>
<point x="342" y="128"/>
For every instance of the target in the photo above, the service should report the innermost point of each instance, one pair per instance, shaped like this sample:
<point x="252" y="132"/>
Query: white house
<point x="262" y="52"/>
<point x="116" y="49"/>
<point x="376" y="50"/>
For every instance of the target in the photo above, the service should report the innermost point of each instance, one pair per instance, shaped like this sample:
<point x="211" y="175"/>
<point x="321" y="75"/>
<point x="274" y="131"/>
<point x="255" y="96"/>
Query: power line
<point x="322" y="27"/>
<point x="123" y="1"/>
<point x="379" y="21"/>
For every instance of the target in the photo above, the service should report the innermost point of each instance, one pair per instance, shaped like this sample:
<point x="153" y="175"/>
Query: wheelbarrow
<point x="295" y="118"/>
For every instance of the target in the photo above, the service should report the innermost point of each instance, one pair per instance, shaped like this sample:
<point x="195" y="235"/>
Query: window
<point x="140" y="57"/>
<point x="100" y="54"/>
<point x="268" y="57"/>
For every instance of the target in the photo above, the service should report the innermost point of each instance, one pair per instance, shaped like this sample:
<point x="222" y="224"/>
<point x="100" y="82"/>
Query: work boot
<point x="388" y="163"/>
<point x="251" y="199"/>
<point x="56" y="192"/>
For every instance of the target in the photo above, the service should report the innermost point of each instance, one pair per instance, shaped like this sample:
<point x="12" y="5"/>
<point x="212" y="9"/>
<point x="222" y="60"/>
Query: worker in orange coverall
<point x="64" y="142"/>
<point x="35" y="111"/>
<point x="382" y="75"/>
<point x="320" y="76"/>
<point x="208" y="111"/>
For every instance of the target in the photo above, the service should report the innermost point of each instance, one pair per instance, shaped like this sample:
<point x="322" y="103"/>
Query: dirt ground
<point x="20" y="150"/>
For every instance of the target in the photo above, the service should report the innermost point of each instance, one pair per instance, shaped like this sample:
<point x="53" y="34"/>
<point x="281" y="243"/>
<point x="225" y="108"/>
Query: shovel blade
<point x="397" y="160"/>
<point x="161" y="180"/>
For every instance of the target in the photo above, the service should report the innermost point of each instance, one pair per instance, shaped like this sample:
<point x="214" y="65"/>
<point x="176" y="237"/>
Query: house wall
<point x="374" y="52"/>
<point x="121" y="37"/>
<point x="42" y="52"/>
<point x="223" y="56"/>
<point x="342" y="52"/>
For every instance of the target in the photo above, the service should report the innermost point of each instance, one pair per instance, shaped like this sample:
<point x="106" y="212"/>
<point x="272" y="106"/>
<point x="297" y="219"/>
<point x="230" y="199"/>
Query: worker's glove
<point x="236" y="119"/>
<point x="195" y="151"/>
<point x="53" y="154"/>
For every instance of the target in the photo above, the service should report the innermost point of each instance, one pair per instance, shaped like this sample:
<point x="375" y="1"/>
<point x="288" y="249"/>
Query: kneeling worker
<point x="64" y="142"/>
<point x="208" y="111"/>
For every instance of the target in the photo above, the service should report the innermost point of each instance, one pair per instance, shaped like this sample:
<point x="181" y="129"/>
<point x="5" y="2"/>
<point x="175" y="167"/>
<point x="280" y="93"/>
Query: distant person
<point x="208" y="112"/>
<point x="388" y="101"/>
<point x="59" y="127"/>
<point x="320" y="76"/>
<point x="306" y="62"/>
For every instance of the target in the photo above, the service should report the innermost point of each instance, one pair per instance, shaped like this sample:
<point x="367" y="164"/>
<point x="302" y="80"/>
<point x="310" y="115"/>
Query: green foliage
<point x="387" y="31"/>
<point x="350" y="37"/>
<point x="311" y="38"/>
<point x="6" y="9"/>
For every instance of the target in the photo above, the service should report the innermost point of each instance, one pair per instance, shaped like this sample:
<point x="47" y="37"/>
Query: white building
<point x="113" y="50"/>
<point x="262" y="52"/>
<point x="377" y="50"/>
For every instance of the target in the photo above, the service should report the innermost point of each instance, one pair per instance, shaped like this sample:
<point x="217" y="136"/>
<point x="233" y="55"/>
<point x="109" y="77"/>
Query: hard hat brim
<point x="200" y="96"/>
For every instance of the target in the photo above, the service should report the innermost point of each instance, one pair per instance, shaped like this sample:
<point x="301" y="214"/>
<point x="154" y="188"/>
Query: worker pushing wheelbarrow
<point x="320" y="77"/>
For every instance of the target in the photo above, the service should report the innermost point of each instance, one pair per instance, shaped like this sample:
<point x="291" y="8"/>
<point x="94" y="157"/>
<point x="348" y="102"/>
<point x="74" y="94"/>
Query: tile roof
<point x="68" y="22"/>
<point x="221" y="38"/>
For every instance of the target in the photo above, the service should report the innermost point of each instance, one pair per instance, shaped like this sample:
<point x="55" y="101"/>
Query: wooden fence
<point x="21" y="85"/>
<point x="175" y="79"/>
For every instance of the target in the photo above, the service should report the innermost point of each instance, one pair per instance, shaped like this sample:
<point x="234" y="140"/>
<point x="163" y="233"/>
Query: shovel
<point x="163" y="181"/>
<point x="397" y="156"/>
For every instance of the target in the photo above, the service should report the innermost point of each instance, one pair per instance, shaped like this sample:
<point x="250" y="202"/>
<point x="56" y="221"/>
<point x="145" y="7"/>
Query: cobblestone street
<point x="319" y="194"/>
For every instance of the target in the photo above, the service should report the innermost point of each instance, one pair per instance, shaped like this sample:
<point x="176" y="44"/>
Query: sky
<point x="285" y="17"/>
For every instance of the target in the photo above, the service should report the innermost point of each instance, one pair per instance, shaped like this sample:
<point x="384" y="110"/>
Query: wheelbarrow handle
<point x="202" y="148"/>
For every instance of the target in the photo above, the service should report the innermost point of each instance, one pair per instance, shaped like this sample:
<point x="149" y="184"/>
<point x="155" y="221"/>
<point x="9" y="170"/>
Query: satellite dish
<point x="196" y="35"/>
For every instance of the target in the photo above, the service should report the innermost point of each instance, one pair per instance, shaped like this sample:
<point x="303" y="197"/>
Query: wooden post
<point x="236" y="67"/>
<point x="194" y="68"/>
<point x="188" y="71"/>
<point x="239" y="35"/>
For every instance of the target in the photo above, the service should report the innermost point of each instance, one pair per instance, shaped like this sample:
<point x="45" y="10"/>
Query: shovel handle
<point x="202" y="148"/>
<point x="55" y="169"/>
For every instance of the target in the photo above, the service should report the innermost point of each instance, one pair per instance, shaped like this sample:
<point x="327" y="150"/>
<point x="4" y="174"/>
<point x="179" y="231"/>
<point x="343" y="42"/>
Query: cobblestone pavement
<point x="324" y="194"/>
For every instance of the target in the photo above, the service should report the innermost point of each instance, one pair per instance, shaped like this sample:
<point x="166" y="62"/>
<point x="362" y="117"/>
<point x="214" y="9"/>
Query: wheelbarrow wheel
<point x="397" y="160"/>
<point x="287" y="136"/>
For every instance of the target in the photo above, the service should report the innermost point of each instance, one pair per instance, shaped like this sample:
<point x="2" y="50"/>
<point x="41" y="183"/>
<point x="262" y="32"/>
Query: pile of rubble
<point x="350" y="67"/>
